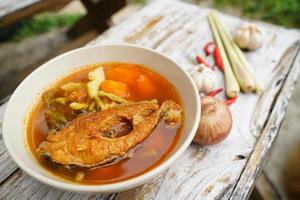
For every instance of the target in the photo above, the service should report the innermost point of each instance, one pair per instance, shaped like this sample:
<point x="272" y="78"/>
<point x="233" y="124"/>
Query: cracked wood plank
<point x="11" y="11"/>
<point x="9" y="6"/>
<point x="7" y="165"/>
<point x="180" y="30"/>
<point x="21" y="186"/>
<point x="15" y="184"/>
<point x="269" y="133"/>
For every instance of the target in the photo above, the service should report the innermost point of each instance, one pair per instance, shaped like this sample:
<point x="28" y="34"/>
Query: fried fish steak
<point x="83" y="143"/>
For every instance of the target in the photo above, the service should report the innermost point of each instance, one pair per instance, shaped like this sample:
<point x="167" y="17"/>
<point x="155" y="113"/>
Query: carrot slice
<point x="123" y="74"/>
<point x="145" y="86"/>
<point x="114" y="87"/>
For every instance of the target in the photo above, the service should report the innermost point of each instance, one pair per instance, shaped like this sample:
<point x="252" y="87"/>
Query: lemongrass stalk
<point x="243" y="76"/>
<point x="112" y="97"/>
<point x="258" y="84"/>
<point x="232" y="86"/>
<point x="240" y="56"/>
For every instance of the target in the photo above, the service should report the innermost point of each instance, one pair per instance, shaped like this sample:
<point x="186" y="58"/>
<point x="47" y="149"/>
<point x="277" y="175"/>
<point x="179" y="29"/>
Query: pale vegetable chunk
<point x="71" y="86"/>
<point x="54" y="119"/>
<point x="78" y="106"/>
<point x="96" y="77"/>
<point x="112" y="97"/>
<point x="61" y="100"/>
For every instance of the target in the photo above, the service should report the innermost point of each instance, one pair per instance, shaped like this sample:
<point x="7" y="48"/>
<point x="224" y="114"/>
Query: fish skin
<point x="80" y="143"/>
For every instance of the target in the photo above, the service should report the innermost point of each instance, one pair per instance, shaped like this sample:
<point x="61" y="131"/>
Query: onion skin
<point x="215" y="123"/>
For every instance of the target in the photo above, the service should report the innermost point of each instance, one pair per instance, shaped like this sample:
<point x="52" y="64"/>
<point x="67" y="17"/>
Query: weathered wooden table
<point x="12" y="11"/>
<point x="224" y="171"/>
<point x="97" y="17"/>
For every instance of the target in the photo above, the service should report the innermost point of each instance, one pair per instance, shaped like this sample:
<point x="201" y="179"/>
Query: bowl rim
<point x="111" y="187"/>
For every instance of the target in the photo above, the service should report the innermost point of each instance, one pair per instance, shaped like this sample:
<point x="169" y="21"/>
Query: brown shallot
<point x="215" y="123"/>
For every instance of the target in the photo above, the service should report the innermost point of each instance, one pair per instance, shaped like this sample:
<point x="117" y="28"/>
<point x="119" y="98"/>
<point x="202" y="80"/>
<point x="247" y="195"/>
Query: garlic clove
<point x="242" y="38"/>
<point x="200" y="68"/>
<point x="207" y="85"/>
<point x="204" y="78"/>
<point x="256" y="40"/>
<point x="249" y="37"/>
<point x="244" y="26"/>
<point x="197" y="81"/>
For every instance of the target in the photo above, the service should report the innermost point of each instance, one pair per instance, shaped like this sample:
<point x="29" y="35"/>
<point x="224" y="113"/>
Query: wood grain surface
<point x="12" y="11"/>
<point x="9" y="6"/>
<point x="223" y="171"/>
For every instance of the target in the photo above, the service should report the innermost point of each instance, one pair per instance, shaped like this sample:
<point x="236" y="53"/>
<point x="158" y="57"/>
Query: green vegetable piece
<point x="78" y="106"/>
<point x="112" y="97"/>
<point x="79" y="176"/>
<point x="71" y="86"/>
<point x="55" y="119"/>
<point x="61" y="100"/>
<point x="100" y="104"/>
<point x="47" y="97"/>
<point x="92" y="106"/>
<point x="96" y="77"/>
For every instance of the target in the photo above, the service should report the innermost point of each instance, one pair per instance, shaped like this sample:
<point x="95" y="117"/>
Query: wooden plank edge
<point x="29" y="10"/>
<point x="2" y="110"/>
<point x="261" y="152"/>
<point x="265" y="189"/>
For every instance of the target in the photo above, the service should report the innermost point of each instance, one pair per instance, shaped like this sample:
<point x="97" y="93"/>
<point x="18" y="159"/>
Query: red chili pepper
<point x="215" y="92"/>
<point x="218" y="59"/>
<point x="207" y="48"/>
<point x="200" y="60"/>
<point x="230" y="101"/>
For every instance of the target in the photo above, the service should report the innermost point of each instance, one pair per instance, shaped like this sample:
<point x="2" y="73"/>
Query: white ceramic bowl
<point x="26" y="94"/>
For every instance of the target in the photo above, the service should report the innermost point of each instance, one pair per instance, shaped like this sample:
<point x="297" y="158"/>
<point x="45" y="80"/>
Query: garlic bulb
<point x="204" y="78"/>
<point x="248" y="37"/>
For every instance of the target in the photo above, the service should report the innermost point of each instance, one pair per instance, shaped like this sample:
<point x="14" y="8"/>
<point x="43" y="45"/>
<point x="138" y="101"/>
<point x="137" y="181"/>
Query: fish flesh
<point x="84" y="141"/>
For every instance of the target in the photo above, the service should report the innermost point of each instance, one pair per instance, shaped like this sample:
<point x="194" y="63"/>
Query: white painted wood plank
<point x="7" y="165"/>
<point x="20" y="186"/>
<point x="180" y="30"/>
<point x="8" y="6"/>
<point x="2" y="110"/>
<point x="17" y="185"/>
<point x="263" y="147"/>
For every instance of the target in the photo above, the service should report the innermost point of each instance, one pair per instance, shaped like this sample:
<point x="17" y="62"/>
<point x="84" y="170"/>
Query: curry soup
<point x="141" y="84"/>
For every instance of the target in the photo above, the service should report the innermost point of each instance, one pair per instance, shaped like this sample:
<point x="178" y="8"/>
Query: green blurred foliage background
<point x="43" y="23"/>
<point x="281" y="12"/>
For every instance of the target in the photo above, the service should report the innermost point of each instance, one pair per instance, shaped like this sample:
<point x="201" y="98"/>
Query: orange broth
<point x="163" y="139"/>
